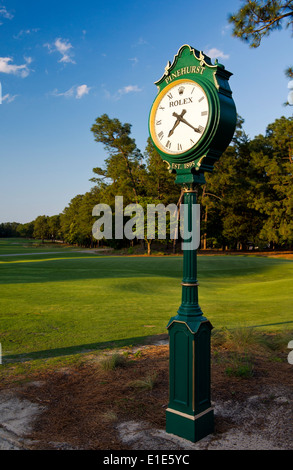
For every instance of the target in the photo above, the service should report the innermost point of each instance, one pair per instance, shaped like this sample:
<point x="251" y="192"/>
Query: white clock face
<point x="179" y="117"/>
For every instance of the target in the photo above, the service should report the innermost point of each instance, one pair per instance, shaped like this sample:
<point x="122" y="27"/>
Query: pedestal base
<point x="192" y="428"/>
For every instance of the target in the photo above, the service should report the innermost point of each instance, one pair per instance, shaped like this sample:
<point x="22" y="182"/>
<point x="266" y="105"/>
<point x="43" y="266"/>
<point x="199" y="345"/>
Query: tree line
<point x="245" y="203"/>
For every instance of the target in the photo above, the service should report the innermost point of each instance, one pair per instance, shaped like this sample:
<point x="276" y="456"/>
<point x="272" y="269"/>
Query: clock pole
<point x="189" y="307"/>
<point x="189" y="413"/>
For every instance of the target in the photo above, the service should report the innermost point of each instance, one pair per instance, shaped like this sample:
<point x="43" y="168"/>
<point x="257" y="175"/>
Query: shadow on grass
<point x="271" y="324"/>
<point x="82" y="348"/>
<point x="77" y="266"/>
<point x="100" y="346"/>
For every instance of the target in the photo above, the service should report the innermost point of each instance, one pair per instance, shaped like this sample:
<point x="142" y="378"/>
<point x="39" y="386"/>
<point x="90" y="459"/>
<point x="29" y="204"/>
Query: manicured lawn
<point x="53" y="304"/>
<point x="10" y="246"/>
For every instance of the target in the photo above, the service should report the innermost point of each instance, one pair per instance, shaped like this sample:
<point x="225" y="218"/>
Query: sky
<point x="63" y="64"/>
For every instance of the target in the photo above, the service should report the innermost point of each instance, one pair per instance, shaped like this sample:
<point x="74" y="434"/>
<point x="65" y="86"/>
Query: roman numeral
<point x="200" y="128"/>
<point x="158" y="123"/>
<point x="161" y="135"/>
<point x="179" y="147"/>
<point x="170" y="96"/>
<point x="168" y="144"/>
<point x="200" y="99"/>
<point x="204" y="113"/>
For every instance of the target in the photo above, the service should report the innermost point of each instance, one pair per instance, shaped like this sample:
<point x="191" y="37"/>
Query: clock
<point x="179" y="117"/>
<point x="193" y="117"/>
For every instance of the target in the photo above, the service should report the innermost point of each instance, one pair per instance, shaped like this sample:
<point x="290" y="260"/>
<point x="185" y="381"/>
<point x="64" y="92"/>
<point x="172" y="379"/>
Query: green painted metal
<point x="189" y="413"/>
<point x="192" y="64"/>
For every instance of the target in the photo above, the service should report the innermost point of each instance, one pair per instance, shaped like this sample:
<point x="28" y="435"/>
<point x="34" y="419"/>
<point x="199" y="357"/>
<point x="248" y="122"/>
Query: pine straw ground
<point x="84" y="403"/>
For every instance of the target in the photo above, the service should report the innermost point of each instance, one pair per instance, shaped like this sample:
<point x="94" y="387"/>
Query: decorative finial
<point x="201" y="58"/>
<point x="167" y="67"/>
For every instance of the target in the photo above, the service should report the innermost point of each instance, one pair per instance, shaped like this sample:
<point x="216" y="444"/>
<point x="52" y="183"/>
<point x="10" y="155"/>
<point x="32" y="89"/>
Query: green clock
<point x="193" y="118"/>
<point x="191" y="122"/>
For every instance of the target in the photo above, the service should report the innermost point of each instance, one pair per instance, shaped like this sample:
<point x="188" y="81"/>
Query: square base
<point x="192" y="428"/>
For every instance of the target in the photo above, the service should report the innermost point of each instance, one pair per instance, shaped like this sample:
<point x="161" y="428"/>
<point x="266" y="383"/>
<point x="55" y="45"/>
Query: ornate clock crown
<point x="181" y="90"/>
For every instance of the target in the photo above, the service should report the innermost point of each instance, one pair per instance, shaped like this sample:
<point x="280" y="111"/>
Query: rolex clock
<point x="179" y="117"/>
<point x="193" y="117"/>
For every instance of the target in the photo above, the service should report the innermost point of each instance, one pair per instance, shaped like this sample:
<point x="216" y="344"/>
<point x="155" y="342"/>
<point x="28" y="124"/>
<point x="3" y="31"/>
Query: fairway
<point x="56" y="300"/>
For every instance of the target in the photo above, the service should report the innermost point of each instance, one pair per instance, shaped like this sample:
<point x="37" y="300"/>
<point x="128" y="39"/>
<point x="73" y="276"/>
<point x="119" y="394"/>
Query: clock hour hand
<point x="181" y="119"/>
<point x="177" y="121"/>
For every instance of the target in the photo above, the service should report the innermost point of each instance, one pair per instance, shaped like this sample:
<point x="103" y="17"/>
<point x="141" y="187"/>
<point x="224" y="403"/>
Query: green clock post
<point x="191" y="123"/>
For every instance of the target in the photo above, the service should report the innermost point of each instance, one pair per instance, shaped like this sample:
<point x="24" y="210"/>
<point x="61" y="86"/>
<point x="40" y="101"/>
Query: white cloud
<point x="140" y="42"/>
<point x="9" y="98"/>
<point x="226" y="29"/>
<point x="74" y="92"/>
<point x="215" y="53"/>
<point x="5" y="13"/>
<point x="24" y="32"/>
<point x="81" y="91"/>
<point x="64" y="47"/>
<point x="129" y="89"/>
<point x="122" y="91"/>
<point x="7" y="67"/>
<point x="134" y="60"/>
<point x="67" y="93"/>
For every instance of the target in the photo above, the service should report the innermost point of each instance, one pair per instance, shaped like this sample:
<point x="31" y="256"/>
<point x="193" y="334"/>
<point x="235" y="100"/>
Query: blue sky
<point x="63" y="64"/>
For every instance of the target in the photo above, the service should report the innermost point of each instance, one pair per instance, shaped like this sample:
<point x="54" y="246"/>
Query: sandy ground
<point x="18" y="417"/>
<point x="66" y="410"/>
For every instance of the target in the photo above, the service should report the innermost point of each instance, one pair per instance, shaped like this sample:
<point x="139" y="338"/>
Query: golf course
<point x="57" y="300"/>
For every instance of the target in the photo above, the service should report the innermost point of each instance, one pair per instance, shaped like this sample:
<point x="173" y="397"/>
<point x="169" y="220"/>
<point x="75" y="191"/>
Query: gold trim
<point x="169" y="166"/>
<point x="193" y="378"/>
<point x="216" y="81"/>
<point x="184" y="323"/>
<point x="189" y="284"/>
<point x="199" y="162"/>
<point x="167" y="68"/>
<point x="185" y="415"/>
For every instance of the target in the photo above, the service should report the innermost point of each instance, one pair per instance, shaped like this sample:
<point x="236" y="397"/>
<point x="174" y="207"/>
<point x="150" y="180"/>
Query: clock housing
<point x="196" y="96"/>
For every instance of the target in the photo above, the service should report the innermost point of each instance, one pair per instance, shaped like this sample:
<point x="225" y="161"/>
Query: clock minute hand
<point x="185" y="122"/>
<point x="177" y="121"/>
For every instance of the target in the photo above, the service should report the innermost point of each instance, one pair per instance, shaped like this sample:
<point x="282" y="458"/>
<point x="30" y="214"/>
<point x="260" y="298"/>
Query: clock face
<point x="179" y="117"/>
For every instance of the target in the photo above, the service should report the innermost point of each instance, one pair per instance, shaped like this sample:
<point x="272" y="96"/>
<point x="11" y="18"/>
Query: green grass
<point x="9" y="246"/>
<point x="113" y="361"/>
<point x="69" y="302"/>
<point x="146" y="383"/>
